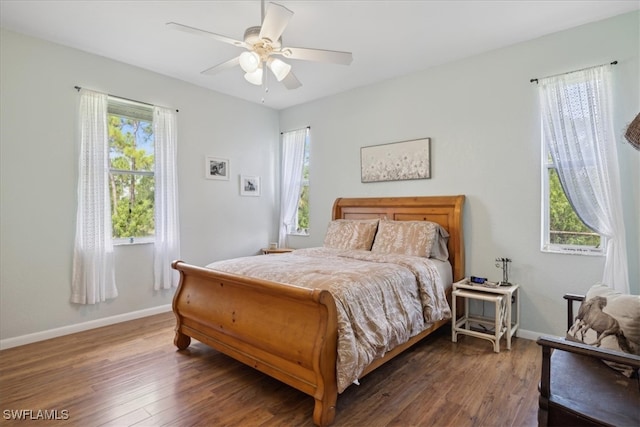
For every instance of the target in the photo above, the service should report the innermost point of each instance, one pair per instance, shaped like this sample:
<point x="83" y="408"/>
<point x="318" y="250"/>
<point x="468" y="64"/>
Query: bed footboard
<point x="287" y="332"/>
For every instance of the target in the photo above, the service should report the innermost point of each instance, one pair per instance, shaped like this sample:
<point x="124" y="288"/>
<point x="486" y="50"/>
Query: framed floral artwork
<point x="397" y="161"/>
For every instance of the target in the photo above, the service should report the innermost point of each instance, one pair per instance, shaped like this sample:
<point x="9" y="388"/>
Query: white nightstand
<point x="504" y="297"/>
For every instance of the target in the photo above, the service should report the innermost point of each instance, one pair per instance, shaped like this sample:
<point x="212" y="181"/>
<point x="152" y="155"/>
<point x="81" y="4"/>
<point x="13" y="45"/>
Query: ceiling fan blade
<point x="221" y="67"/>
<point x="291" y="81"/>
<point x="275" y="21"/>
<point x="199" y="32"/>
<point x="319" y="55"/>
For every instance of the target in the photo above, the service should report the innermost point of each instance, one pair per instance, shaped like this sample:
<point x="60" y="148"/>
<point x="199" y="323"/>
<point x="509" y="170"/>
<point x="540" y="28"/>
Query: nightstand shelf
<point x="503" y="298"/>
<point x="267" y="251"/>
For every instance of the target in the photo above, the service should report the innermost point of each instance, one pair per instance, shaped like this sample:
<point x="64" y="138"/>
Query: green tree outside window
<point x="131" y="178"/>
<point x="565" y="227"/>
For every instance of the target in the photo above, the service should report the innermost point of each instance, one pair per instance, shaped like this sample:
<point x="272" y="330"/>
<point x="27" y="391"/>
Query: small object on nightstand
<point x="479" y="281"/>
<point x="505" y="270"/>
<point x="267" y="251"/>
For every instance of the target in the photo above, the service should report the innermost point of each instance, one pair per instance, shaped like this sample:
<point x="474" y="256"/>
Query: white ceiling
<point x="387" y="38"/>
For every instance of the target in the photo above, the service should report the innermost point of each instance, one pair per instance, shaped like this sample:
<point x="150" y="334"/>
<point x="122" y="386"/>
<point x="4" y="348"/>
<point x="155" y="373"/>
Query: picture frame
<point x="250" y="185"/>
<point x="397" y="161"/>
<point x="216" y="168"/>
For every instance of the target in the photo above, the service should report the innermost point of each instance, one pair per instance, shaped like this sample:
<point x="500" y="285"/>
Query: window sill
<point x="128" y="242"/>
<point x="573" y="251"/>
<point x="298" y="234"/>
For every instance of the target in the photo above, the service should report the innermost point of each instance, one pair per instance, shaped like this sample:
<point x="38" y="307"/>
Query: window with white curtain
<point x="566" y="106"/>
<point x="582" y="202"/>
<point x="294" y="191"/>
<point x="127" y="187"/>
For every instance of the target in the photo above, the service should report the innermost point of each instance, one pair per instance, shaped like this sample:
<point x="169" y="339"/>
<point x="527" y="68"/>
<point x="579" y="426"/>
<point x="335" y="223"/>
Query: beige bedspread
<point x="381" y="300"/>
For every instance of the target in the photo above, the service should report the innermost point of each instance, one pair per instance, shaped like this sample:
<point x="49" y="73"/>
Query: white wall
<point x="482" y="116"/>
<point x="39" y="174"/>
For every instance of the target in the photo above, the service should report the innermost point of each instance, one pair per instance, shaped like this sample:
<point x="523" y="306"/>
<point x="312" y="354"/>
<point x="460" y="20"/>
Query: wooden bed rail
<point x="292" y="336"/>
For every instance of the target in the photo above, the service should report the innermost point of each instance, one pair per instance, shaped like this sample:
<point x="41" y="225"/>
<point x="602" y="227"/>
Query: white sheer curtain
<point x="578" y="130"/>
<point x="167" y="229"/>
<point x="93" y="269"/>
<point x="292" y="164"/>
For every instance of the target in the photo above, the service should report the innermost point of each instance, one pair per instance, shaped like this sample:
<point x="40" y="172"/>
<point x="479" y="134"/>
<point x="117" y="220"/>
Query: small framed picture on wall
<point x="249" y="185"/>
<point x="216" y="168"/>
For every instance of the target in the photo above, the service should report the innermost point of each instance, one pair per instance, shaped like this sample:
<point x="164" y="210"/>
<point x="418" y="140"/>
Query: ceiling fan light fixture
<point x="249" y="61"/>
<point x="279" y="68"/>
<point x="254" y="77"/>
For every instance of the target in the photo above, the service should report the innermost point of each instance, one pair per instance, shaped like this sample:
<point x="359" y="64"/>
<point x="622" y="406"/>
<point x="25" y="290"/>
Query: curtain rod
<point x="127" y="99"/>
<point x="293" y="130"/>
<point x="581" y="69"/>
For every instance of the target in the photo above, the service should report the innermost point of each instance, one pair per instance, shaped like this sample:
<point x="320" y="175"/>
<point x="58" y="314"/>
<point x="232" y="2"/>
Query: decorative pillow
<point x="440" y="250"/>
<point x="351" y="234"/>
<point x="609" y="319"/>
<point x="414" y="238"/>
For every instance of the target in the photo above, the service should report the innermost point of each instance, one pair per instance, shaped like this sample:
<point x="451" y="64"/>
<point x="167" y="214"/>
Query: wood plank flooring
<point x="130" y="374"/>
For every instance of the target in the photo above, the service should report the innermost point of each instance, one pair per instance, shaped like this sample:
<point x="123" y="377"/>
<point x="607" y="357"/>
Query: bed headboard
<point x="444" y="210"/>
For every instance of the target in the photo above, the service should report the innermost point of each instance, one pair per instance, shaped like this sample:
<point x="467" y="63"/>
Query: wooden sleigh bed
<point x="290" y="332"/>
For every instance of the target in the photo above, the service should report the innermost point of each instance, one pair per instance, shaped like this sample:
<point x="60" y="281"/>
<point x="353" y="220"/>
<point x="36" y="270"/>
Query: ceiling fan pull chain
<point x="266" y="87"/>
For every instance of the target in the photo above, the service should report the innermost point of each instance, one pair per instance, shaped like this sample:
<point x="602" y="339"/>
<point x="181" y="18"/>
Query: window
<point x="131" y="170"/>
<point x="302" y="218"/>
<point x="563" y="230"/>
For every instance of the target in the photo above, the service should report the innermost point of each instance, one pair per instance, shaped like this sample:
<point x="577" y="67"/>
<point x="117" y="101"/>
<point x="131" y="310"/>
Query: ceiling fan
<point x="264" y="44"/>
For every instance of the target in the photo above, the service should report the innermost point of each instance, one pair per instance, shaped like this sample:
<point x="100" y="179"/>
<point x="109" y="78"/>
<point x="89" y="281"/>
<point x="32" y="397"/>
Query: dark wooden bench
<point x="578" y="389"/>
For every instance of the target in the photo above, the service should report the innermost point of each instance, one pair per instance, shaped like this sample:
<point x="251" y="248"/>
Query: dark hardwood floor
<point x="130" y="374"/>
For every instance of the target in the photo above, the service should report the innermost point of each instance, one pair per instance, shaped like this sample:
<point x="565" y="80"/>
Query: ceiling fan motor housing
<point x="252" y="38"/>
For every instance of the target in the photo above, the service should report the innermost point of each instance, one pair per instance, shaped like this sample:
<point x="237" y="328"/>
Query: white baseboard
<point x="98" y="323"/>
<point x="529" y="335"/>
<point x="79" y="327"/>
